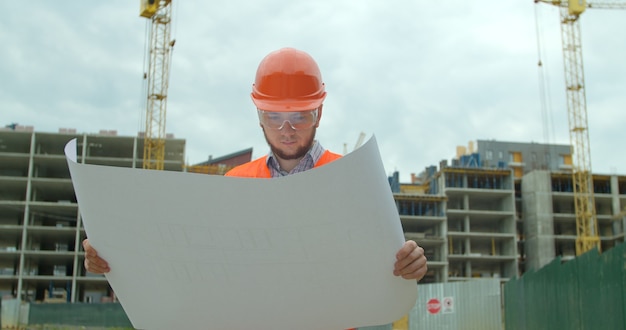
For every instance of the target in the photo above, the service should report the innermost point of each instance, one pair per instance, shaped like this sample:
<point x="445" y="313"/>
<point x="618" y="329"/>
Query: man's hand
<point x="93" y="263"/>
<point x="410" y="262"/>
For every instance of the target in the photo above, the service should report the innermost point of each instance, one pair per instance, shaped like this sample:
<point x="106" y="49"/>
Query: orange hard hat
<point x="288" y="80"/>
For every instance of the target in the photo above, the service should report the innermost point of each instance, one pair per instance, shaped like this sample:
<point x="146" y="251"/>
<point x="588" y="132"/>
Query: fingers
<point x="89" y="250"/>
<point x="410" y="261"/>
<point x="93" y="263"/>
<point x="407" y="248"/>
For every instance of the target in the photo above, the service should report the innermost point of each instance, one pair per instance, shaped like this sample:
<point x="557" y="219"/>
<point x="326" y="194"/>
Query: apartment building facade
<point x="466" y="223"/>
<point x="544" y="199"/>
<point x="41" y="257"/>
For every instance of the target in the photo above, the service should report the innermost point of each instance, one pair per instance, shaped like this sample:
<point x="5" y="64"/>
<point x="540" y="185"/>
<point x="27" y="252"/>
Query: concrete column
<point x="538" y="219"/>
<point x="618" y="226"/>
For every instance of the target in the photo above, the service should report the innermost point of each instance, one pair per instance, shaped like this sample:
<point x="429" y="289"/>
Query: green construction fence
<point x="588" y="292"/>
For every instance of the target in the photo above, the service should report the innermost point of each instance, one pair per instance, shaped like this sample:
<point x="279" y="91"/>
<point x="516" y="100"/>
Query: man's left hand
<point x="410" y="262"/>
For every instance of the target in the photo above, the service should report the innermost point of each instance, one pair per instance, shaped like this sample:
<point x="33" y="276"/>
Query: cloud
<point x="422" y="77"/>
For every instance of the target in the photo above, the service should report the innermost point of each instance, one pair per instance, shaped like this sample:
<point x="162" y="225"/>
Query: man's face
<point x="286" y="142"/>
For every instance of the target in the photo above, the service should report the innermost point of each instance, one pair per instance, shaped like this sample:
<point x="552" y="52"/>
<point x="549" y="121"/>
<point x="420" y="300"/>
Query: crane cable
<point x="544" y="86"/>
<point x="144" y="79"/>
<point x="547" y="120"/>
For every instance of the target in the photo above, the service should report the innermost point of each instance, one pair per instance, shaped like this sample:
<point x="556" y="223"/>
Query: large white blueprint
<point x="313" y="250"/>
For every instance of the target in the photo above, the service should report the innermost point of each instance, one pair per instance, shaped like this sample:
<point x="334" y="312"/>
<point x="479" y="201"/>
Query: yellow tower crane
<point x="159" y="13"/>
<point x="582" y="179"/>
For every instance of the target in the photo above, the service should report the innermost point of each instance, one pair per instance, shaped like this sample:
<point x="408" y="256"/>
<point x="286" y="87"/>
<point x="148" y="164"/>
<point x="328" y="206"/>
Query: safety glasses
<point x="298" y="120"/>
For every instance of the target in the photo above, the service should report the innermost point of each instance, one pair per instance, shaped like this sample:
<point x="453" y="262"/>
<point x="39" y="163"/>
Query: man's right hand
<point x="93" y="263"/>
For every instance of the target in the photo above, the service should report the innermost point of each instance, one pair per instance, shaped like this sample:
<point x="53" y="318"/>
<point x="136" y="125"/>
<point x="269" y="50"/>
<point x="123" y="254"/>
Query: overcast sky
<point x="423" y="76"/>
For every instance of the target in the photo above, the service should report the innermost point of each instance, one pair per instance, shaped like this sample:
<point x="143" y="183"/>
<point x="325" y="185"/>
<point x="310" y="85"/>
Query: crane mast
<point x="157" y="75"/>
<point x="582" y="176"/>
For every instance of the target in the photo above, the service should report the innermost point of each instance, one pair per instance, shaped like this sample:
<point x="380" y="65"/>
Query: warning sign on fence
<point x="447" y="305"/>
<point x="433" y="306"/>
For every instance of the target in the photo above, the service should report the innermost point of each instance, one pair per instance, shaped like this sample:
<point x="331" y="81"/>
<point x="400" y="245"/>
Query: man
<point x="289" y="94"/>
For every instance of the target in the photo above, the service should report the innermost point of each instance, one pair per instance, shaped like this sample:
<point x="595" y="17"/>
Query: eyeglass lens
<point x="297" y="119"/>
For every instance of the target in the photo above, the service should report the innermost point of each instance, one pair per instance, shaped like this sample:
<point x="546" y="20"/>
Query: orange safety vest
<point x="258" y="167"/>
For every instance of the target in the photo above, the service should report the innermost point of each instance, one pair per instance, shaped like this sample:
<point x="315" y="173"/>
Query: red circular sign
<point x="433" y="306"/>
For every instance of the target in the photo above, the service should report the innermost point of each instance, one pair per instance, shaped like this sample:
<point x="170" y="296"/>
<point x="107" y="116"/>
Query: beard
<point x="299" y="153"/>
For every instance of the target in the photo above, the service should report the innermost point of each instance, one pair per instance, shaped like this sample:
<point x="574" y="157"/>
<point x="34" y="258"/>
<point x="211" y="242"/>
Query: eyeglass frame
<point x="314" y="112"/>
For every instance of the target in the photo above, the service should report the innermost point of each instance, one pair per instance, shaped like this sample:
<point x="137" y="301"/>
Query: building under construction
<point x="502" y="208"/>
<point x="496" y="211"/>
<point x="40" y="246"/>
